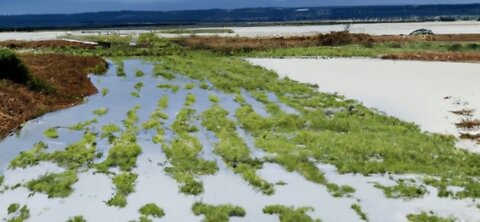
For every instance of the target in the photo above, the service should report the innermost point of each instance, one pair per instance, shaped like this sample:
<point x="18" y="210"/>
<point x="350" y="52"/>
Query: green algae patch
<point x="123" y="155"/>
<point x="289" y="214"/>
<point x="358" y="209"/>
<point x="100" y="111"/>
<point x="76" y="155"/>
<point x="403" y="189"/>
<point x="55" y="185"/>
<point x="51" y="133"/>
<point x="139" y="73"/>
<point x="83" y="125"/>
<point x="428" y="217"/>
<point x="217" y="213"/>
<point x="125" y="185"/>
<point x="17" y="213"/>
<point x="233" y="149"/>
<point x="105" y="91"/>
<point x="213" y="98"/>
<point x="189" y="86"/>
<point x="77" y="219"/>
<point x="183" y="153"/>
<point x="151" y="210"/>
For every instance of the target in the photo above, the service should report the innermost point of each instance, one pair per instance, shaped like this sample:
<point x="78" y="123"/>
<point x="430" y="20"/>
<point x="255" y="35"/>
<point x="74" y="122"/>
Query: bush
<point x="14" y="70"/>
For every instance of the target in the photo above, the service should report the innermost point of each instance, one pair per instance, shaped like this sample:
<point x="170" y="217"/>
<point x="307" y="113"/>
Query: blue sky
<point x="11" y="7"/>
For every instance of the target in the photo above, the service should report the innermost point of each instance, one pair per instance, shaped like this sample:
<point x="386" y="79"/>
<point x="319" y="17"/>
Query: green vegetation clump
<point x="82" y="125"/>
<point x="213" y="98"/>
<point x="403" y="189"/>
<point x="125" y="185"/>
<point x="340" y="191"/>
<point x="105" y="91"/>
<point x="289" y="214"/>
<point x="152" y="210"/>
<point x="125" y="150"/>
<point x="358" y="209"/>
<point x="190" y="100"/>
<point x="139" y="73"/>
<point x="14" y="70"/>
<point x="77" y="219"/>
<point x="138" y="86"/>
<point x="218" y="213"/>
<point x="76" y="155"/>
<point x="51" y="133"/>
<point x="189" y="86"/>
<point x="2" y="178"/>
<point x="121" y="69"/>
<point x="183" y="152"/>
<point x="100" y="68"/>
<point x="100" y="111"/>
<point x="18" y="214"/>
<point x="55" y="185"/>
<point x="123" y="154"/>
<point x="428" y="217"/>
<point x="183" y="120"/>
<point x="233" y="149"/>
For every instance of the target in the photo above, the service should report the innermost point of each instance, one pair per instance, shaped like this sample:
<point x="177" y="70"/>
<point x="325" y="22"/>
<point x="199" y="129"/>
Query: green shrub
<point x="51" y="133"/>
<point x="358" y="209"/>
<point x="13" y="69"/>
<point x="19" y="214"/>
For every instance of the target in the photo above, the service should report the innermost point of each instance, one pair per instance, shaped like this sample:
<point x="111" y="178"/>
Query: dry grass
<point x="67" y="75"/>
<point x="469" y="124"/>
<point x="14" y="44"/>
<point x="436" y="56"/>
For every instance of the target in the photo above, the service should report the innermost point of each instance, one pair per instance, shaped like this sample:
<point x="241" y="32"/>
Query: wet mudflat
<point x="191" y="149"/>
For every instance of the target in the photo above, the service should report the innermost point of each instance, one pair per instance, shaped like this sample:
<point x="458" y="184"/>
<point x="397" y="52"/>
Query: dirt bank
<point x="67" y="75"/>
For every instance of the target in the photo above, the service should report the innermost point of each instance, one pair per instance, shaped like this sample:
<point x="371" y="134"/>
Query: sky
<point x="15" y="7"/>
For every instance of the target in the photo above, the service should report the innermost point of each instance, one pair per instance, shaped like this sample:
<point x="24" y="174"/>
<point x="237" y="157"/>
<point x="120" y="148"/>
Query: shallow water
<point x="154" y="185"/>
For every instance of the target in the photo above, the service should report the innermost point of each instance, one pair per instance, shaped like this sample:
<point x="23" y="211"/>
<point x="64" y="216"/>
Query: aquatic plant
<point x="183" y="120"/>
<point x="122" y="154"/>
<point x="135" y="94"/>
<point x="82" y="125"/>
<point x="125" y="185"/>
<point x="2" y="178"/>
<point x="105" y="91"/>
<point x="288" y="214"/>
<point x="152" y="210"/>
<point x="51" y="133"/>
<point x="182" y="153"/>
<point x="403" y="189"/>
<point x="428" y="217"/>
<point x="190" y="100"/>
<point x="55" y="185"/>
<point x="77" y="219"/>
<point x="340" y="191"/>
<point x="217" y="213"/>
<point x="358" y="209"/>
<point x="233" y="149"/>
<point x="139" y="73"/>
<point x="120" y="69"/>
<point x="138" y="86"/>
<point x="100" y="111"/>
<point x="189" y="86"/>
<point x="213" y="98"/>
<point x="17" y="214"/>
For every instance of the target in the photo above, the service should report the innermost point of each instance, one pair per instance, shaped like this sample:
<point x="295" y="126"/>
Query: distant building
<point x="422" y="32"/>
